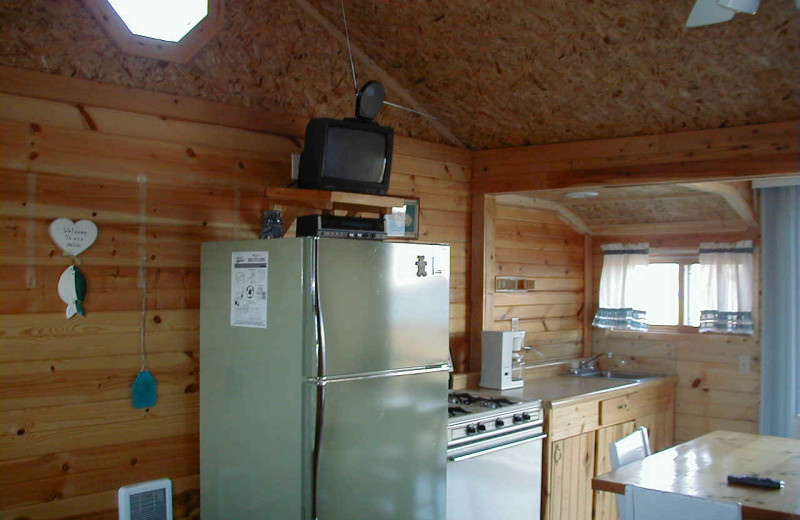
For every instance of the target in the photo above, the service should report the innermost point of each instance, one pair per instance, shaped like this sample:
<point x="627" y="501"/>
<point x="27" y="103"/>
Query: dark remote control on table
<point x="762" y="482"/>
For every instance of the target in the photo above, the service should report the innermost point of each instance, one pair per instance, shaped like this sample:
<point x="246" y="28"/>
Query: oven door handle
<point x="459" y="458"/>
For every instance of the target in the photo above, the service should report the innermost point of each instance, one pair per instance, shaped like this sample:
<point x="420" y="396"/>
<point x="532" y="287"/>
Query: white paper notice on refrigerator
<point x="249" y="289"/>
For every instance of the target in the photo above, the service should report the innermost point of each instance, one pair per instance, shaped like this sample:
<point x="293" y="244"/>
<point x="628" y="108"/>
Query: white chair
<point x="630" y="448"/>
<point x="649" y="504"/>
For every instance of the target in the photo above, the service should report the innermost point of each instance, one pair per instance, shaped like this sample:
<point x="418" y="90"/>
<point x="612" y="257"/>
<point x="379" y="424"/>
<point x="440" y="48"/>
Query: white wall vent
<point x="146" y="501"/>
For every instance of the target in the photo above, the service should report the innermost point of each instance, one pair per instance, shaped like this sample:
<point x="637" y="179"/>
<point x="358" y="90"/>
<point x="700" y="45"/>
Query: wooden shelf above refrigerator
<point x="292" y="202"/>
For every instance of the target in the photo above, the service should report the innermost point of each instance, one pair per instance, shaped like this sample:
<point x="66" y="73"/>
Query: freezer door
<point x="383" y="305"/>
<point x="382" y="449"/>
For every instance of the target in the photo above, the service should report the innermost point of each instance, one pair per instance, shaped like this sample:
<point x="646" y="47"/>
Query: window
<point x="662" y="293"/>
<point x="171" y="30"/>
<point x="168" y="21"/>
<point x="673" y="292"/>
<point x="709" y="289"/>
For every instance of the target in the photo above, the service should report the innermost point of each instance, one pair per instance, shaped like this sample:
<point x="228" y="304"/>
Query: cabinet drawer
<point x="636" y="404"/>
<point x="616" y="410"/>
<point x="567" y="421"/>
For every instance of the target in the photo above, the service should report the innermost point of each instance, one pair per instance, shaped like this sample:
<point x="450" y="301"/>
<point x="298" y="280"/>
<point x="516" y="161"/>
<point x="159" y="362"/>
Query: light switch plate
<point x="744" y="364"/>
<point x="514" y="324"/>
<point x="295" y="166"/>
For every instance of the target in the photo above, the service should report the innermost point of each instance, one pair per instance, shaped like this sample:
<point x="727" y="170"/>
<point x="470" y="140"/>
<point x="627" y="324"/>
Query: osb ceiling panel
<point x="661" y="204"/>
<point x="498" y="73"/>
<point x="269" y="55"/>
<point x="515" y="72"/>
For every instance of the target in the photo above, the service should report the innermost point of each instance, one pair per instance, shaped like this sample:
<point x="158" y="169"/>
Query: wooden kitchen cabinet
<point x="605" y="504"/>
<point x="576" y="449"/>
<point x="570" y="467"/>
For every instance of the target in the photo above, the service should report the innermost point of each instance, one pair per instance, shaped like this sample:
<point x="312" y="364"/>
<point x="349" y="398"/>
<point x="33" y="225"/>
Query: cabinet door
<point x="605" y="504"/>
<point x="660" y="426"/>
<point x="569" y="484"/>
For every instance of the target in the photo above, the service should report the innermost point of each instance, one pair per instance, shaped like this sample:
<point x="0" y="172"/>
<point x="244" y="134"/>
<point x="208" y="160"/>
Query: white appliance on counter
<point x="494" y="457"/>
<point x="323" y="379"/>
<point x="502" y="361"/>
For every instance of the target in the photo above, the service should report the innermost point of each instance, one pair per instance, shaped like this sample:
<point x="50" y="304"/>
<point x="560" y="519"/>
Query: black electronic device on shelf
<point x="340" y="227"/>
<point x="353" y="155"/>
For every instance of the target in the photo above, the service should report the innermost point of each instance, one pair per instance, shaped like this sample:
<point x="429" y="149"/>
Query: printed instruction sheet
<point x="249" y="289"/>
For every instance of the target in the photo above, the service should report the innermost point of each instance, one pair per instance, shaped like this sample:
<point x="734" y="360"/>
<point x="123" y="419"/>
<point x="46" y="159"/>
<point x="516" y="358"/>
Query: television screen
<point x="346" y="155"/>
<point x="355" y="155"/>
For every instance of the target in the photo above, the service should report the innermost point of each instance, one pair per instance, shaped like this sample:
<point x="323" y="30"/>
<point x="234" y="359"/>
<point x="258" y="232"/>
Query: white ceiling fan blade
<point x="741" y="6"/>
<point x="708" y="12"/>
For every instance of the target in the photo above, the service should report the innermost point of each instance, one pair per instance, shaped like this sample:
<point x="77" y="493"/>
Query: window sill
<point x="678" y="329"/>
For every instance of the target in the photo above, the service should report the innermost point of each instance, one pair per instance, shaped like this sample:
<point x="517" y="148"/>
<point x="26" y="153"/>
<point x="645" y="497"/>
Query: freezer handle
<point x="478" y="453"/>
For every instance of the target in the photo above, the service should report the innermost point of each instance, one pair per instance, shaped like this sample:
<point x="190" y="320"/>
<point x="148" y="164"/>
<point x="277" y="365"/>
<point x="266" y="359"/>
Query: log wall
<point x="157" y="187"/>
<point x="537" y="244"/>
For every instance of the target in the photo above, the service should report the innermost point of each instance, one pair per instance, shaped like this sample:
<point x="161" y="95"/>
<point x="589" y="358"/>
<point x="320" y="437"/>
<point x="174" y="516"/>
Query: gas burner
<point x="487" y="414"/>
<point x="463" y="398"/>
<point x="456" y="411"/>
<point x="497" y="402"/>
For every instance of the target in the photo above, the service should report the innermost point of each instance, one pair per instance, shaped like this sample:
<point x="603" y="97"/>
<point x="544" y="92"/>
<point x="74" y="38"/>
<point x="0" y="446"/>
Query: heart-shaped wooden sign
<point x="73" y="237"/>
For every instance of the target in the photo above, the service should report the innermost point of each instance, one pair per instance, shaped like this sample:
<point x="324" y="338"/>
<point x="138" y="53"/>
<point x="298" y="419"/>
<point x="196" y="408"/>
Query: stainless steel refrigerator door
<point x="382" y="448"/>
<point x="384" y="305"/>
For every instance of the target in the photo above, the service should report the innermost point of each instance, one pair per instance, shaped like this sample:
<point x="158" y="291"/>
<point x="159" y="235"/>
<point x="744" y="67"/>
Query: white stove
<point x="494" y="444"/>
<point x="474" y="416"/>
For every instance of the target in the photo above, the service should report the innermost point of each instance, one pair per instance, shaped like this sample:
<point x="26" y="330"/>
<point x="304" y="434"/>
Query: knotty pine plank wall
<point x="537" y="244"/>
<point x="711" y="393"/>
<point x="156" y="188"/>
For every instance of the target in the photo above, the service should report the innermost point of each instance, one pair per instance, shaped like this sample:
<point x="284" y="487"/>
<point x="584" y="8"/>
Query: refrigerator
<point x="323" y="379"/>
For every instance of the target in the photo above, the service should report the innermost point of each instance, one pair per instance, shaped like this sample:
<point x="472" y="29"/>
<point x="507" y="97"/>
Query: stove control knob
<point x="499" y="423"/>
<point x="518" y="419"/>
<point x="526" y="416"/>
<point x="481" y="427"/>
<point x="471" y="429"/>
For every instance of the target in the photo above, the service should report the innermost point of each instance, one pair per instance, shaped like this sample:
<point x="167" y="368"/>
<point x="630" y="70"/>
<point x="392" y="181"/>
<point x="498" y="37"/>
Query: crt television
<point x="346" y="155"/>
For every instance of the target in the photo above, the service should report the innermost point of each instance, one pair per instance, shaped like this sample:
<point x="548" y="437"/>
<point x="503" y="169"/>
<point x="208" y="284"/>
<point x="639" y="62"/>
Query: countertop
<point x="700" y="468"/>
<point x="559" y="390"/>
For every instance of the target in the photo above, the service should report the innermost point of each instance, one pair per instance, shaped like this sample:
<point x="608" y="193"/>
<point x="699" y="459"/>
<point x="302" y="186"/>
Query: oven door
<point x="499" y="477"/>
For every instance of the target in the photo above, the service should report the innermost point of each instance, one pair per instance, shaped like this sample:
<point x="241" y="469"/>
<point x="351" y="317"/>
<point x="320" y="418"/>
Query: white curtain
<point x="727" y="274"/>
<point x="621" y="283"/>
<point x="780" y="325"/>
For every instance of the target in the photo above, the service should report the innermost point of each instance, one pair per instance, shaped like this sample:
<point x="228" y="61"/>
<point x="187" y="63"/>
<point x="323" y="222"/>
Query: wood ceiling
<point x="710" y="207"/>
<point x="514" y="72"/>
<point x="496" y="73"/>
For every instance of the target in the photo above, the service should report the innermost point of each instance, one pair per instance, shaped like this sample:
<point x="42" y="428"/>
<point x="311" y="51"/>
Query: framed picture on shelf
<point x="403" y="222"/>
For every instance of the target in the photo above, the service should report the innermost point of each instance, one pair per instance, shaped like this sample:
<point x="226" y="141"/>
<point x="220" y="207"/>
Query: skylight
<point x="168" y="20"/>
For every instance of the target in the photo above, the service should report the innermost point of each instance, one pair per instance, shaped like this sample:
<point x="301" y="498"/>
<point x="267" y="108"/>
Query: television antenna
<point x="371" y="97"/>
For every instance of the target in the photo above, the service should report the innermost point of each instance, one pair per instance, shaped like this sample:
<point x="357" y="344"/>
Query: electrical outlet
<point x="744" y="363"/>
<point x="514" y="324"/>
<point x="295" y="166"/>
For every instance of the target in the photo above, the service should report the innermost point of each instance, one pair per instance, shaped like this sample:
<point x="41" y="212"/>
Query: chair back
<point x="630" y="448"/>
<point x="634" y="446"/>
<point x="649" y="504"/>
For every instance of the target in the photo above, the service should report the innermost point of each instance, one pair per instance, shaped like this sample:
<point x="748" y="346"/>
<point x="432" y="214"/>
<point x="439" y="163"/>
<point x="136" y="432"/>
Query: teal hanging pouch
<point x="144" y="390"/>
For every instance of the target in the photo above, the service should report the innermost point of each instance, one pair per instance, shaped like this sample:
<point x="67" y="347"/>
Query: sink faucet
<point x="589" y="363"/>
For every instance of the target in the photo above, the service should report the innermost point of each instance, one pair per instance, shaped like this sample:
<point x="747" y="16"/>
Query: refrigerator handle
<point x="319" y="325"/>
<point x="317" y="446"/>
<point x="319" y="333"/>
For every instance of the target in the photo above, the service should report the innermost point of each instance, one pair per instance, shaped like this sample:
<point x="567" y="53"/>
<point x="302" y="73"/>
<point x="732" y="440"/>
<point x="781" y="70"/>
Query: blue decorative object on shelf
<point x="271" y="224"/>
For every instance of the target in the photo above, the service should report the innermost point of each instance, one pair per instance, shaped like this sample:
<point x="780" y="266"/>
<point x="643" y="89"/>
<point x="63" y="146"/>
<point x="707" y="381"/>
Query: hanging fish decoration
<point x="72" y="290"/>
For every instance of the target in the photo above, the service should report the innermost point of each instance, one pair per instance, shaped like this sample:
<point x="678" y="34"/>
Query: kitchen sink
<point x="614" y="374"/>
